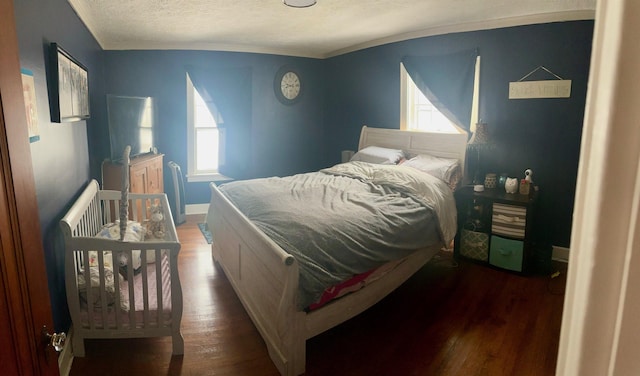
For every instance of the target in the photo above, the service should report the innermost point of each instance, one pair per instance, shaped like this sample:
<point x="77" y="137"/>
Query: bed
<point x="267" y="278"/>
<point x="121" y="287"/>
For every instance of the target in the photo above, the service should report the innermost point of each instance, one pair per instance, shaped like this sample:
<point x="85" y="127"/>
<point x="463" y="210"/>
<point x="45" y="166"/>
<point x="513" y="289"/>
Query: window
<point x="146" y="126"/>
<point x="205" y="140"/>
<point x="418" y="113"/>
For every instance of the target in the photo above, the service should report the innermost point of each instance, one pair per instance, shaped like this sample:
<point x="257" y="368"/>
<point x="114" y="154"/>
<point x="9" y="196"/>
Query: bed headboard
<point x="446" y="145"/>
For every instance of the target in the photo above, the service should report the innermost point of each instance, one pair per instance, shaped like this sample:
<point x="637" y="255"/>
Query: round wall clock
<point x="287" y="85"/>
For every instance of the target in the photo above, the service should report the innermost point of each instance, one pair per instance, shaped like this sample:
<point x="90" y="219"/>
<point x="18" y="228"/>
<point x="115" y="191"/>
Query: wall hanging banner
<point x="557" y="88"/>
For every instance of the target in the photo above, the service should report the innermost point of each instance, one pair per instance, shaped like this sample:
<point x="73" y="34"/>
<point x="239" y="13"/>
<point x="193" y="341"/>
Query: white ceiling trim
<point x="579" y="15"/>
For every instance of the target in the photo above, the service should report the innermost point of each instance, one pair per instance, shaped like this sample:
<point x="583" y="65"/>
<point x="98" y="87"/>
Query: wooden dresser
<point x="145" y="174"/>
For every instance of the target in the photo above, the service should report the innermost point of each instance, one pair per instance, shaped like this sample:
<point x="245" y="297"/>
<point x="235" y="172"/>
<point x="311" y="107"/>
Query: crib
<point x="121" y="288"/>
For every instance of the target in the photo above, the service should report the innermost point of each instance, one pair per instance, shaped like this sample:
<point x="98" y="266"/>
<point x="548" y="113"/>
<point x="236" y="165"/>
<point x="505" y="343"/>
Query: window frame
<point x="193" y="175"/>
<point x="407" y="97"/>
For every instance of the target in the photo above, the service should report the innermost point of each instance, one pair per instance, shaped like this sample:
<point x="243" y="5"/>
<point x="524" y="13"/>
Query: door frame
<point x="601" y="314"/>
<point x="26" y="292"/>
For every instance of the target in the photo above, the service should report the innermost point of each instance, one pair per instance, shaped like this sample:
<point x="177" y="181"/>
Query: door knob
<point x="56" y="340"/>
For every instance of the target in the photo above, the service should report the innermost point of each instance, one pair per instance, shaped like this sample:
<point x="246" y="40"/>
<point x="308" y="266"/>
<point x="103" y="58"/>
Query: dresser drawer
<point x="509" y="220"/>
<point x="506" y="253"/>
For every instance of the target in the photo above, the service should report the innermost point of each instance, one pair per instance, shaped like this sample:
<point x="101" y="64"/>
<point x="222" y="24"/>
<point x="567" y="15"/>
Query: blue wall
<point x="348" y="91"/>
<point x="541" y="134"/>
<point x="284" y="139"/>
<point x="342" y="94"/>
<point x="61" y="158"/>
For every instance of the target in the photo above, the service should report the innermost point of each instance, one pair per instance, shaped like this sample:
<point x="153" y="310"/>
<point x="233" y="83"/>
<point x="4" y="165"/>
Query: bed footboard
<point x="264" y="277"/>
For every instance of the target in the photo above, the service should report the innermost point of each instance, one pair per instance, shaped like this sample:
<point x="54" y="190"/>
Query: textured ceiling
<point x="329" y="28"/>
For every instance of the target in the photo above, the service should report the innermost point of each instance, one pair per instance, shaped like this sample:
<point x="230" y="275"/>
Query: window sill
<point x="208" y="178"/>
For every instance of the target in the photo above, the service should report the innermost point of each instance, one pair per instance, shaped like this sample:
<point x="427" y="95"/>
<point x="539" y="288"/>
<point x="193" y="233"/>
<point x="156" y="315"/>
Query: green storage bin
<point x="474" y="245"/>
<point x="506" y="253"/>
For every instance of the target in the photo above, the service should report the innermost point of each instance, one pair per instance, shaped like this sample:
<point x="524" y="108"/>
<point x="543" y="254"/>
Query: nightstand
<point x="495" y="228"/>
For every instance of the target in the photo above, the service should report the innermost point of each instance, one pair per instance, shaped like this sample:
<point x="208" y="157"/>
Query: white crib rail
<point x="103" y="317"/>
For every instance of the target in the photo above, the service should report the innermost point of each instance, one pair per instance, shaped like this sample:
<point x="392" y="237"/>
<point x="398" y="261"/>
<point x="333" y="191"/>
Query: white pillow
<point x="379" y="155"/>
<point x="446" y="169"/>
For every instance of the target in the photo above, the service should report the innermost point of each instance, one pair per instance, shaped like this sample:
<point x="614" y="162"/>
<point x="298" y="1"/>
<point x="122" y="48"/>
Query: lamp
<point x="299" y="3"/>
<point x="480" y="136"/>
<point x="479" y="140"/>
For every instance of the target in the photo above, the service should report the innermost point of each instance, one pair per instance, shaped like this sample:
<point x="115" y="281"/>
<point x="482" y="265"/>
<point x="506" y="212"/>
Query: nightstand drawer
<point x="509" y="220"/>
<point x="506" y="253"/>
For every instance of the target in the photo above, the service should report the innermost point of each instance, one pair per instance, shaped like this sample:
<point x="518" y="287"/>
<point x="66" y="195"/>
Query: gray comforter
<point x="347" y="219"/>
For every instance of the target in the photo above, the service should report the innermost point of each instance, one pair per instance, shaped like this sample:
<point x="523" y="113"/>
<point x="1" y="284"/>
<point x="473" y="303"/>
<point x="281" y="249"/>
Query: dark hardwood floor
<point x="445" y="320"/>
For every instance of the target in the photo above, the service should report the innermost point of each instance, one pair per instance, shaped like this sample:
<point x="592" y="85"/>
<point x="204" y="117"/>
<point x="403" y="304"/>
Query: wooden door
<point x="24" y="295"/>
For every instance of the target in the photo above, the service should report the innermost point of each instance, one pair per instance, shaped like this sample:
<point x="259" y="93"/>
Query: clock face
<point x="287" y="85"/>
<point x="290" y="85"/>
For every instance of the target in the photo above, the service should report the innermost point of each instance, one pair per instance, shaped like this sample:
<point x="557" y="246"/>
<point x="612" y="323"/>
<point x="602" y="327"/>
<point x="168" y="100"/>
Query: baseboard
<point x="560" y="254"/>
<point x="65" y="359"/>
<point x="196" y="209"/>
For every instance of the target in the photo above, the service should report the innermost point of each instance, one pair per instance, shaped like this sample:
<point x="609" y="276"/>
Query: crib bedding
<point x="138" y="299"/>
<point x="347" y="220"/>
<point x="94" y="297"/>
<point x="134" y="232"/>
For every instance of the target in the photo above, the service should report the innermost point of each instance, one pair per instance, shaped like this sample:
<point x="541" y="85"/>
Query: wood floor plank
<point x="448" y="319"/>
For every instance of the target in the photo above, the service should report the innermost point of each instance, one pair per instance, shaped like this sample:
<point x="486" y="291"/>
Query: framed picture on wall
<point x="29" y="91"/>
<point x="69" y="87"/>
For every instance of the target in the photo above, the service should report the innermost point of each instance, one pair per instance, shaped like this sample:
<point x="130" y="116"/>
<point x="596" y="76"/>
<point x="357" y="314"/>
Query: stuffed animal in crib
<point x="155" y="223"/>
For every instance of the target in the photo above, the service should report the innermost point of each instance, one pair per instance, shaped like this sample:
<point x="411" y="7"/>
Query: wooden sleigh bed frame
<point x="265" y="277"/>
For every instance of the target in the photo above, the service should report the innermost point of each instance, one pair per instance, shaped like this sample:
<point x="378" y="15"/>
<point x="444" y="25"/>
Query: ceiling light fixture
<point x="299" y="3"/>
